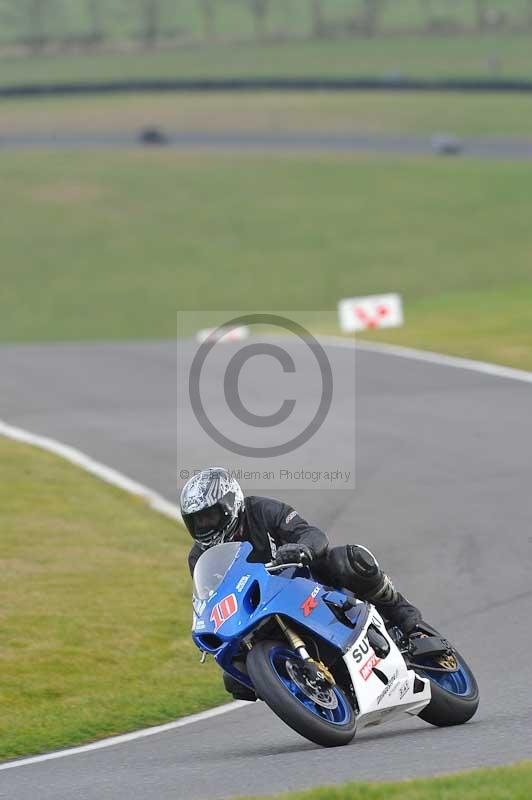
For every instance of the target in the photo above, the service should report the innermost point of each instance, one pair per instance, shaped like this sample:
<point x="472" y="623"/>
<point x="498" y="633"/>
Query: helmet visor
<point x="205" y="524"/>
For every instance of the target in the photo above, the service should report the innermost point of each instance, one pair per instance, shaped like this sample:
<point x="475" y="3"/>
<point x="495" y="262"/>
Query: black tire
<point x="271" y="689"/>
<point x="447" y="708"/>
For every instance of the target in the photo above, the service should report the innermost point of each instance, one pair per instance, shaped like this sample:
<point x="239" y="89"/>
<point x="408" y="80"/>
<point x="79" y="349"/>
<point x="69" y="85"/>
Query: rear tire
<point x="272" y="687"/>
<point x="447" y="707"/>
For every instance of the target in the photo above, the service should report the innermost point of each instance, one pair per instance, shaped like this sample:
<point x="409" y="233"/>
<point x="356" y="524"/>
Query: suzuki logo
<point x="310" y="603"/>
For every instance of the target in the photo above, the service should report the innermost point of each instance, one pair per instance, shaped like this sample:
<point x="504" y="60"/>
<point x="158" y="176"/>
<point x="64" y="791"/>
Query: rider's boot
<point x="399" y="611"/>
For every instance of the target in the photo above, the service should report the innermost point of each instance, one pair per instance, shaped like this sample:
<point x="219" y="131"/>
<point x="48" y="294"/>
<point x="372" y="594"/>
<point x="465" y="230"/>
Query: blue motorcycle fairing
<point x="248" y="595"/>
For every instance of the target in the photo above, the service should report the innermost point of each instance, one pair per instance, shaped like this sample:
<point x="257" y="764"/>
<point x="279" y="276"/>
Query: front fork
<point x="316" y="669"/>
<point x="293" y="639"/>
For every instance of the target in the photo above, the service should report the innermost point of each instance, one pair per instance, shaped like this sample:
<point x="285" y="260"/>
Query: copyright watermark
<point x="333" y="476"/>
<point x="260" y="394"/>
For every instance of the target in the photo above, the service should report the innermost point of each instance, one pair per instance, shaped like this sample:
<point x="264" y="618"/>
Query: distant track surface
<point x="443" y="497"/>
<point x="513" y="149"/>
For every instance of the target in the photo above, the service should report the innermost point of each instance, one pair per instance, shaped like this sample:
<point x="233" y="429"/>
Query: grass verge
<point x="120" y="241"/>
<point x="94" y="610"/>
<point x="502" y="783"/>
<point x="491" y="56"/>
<point x="418" y="114"/>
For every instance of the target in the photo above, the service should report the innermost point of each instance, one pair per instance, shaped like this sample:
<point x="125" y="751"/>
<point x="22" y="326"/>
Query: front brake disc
<point x="323" y="696"/>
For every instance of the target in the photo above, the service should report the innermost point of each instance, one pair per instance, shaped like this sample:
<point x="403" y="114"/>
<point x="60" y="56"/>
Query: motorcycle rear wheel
<point x="274" y="683"/>
<point x="455" y="695"/>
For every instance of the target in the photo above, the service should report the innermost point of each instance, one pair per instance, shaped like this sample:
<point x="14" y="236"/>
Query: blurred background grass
<point x="109" y="245"/>
<point x="481" y="57"/>
<point x="418" y="114"/>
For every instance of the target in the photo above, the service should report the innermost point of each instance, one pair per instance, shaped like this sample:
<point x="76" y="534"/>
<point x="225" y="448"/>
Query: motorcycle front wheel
<point x="322" y="714"/>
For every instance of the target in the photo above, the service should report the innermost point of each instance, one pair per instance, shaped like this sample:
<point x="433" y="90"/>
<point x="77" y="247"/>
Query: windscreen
<point x="212" y="567"/>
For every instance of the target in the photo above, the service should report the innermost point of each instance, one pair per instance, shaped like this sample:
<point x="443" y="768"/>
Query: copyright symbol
<point x="231" y="381"/>
<point x="184" y="474"/>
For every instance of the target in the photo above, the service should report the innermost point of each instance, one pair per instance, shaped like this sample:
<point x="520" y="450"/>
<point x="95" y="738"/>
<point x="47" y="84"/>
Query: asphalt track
<point x="485" y="148"/>
<point x="443" y="497"/>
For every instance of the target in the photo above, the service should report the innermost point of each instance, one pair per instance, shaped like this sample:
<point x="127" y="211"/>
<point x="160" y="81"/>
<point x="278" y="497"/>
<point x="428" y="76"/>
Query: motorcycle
<point x="321" y="659"/>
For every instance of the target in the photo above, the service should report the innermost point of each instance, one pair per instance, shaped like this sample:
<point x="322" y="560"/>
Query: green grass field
<point x="111" y="245"/>
<point x="420" y="114"/>
<point x="488" y="56"/>
<point x="504" y="783"/>
<point x="94" y="609"/>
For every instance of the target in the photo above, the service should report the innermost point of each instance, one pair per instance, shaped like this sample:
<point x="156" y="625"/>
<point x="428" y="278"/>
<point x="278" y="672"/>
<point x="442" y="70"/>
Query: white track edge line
<point x="158" y="503"/>
<point x="154" y="500"/>
<point x="485" y="367"/>
<point x="126" y="737"/>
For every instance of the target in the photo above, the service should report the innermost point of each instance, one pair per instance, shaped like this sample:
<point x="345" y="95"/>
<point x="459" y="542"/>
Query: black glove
<point x="293" y="554"/>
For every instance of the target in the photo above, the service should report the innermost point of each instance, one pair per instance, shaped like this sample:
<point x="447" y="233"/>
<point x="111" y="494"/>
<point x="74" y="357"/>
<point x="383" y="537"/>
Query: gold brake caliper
<point x="447" y="661"/>
<point x="324" y="671"/>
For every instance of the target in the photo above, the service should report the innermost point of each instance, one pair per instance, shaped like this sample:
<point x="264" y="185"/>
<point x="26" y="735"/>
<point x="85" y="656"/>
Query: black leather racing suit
<point x="268" y="524"/>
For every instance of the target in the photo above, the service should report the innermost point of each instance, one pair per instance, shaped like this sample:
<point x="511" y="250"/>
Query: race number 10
<point x="223" y="610"/>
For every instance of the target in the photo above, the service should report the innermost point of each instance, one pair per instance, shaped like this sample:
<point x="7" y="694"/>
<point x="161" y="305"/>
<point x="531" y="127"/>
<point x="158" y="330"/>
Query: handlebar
<point x="271" y="567"/>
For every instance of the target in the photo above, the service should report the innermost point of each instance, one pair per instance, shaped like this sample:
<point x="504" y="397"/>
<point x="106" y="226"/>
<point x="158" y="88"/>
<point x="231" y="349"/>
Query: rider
<point x="215" y="511"/>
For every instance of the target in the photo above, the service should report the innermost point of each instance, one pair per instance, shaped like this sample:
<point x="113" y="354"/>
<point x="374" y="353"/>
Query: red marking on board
<point x="309" y="605"/>
<point x="368" y="320"/>
<point x="223" y="610"/>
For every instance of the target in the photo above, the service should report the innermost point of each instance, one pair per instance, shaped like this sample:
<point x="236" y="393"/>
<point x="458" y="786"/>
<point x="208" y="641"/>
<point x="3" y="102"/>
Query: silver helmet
<point x="211" y="506"/>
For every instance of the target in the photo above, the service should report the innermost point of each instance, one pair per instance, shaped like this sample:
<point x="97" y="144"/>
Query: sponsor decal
<point x="403" y="690"/>
<point x="242" y="582"/>
<point x="366" y="670"/>
<point x="388" y="688"/>
<point x="273" y="546"/>
<point x="290" y="517"/>
<point x="223" y="610"/>
<point x="361" y="650"/>
<point x="198" y="624"/>
<point x="310" y="603"/>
